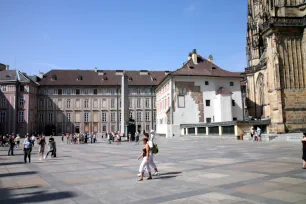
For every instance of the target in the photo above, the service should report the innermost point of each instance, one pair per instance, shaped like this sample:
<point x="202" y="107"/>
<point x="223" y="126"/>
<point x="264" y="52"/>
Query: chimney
<point x="96" y="69"/>
<point x="189" y="56"/>
<point x="211" y="59"/>
<point x="7" y="67"/>
<point x="194" y="56"/>
<point x="41" y="75"/>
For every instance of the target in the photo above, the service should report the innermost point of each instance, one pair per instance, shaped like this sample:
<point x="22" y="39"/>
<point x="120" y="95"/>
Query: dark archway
<point x="131" y="128"/>
<point x="50" y="130"/>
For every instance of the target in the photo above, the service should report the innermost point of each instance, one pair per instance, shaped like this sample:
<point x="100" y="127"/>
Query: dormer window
<point x="53" y="77"/>
<point x="154" y="79"/>
<point x="213" y="68"/>
<point x="104" y="79"/>
<point x="79" y="78"/>
<point x="8" y="76"/>
<point x="190" y="67"/>
<point x="130" y="79"/>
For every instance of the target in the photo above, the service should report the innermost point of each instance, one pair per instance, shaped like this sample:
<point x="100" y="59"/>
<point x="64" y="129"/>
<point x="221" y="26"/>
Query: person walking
<point x="68" y="138"/>
<point x="17" y="139"/>
<point x="27" y="148"/>
<point x="11" y="144"/>
<point x="94" y="137"/>
<point x="259" y="133"/>
<point x="52" y="148"/>
<point x="137" y="137"/>
<point x="151" y="145"/>
<point x="33" y="140"/>
<point x="146" y="154"/>
<point x="304" y="150"/>
<point x="41" y="143"/>
<point x="108" y="137"/>
<point x="63" y="137"/>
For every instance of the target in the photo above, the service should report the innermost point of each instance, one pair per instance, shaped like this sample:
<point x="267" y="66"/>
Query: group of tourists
<point x="78" y="138"/>
<point x="28" y="144"/>
<point x="255" y="134"/>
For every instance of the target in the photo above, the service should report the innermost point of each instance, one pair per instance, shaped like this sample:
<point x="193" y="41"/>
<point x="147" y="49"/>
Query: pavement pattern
<point x="193" y="170"/>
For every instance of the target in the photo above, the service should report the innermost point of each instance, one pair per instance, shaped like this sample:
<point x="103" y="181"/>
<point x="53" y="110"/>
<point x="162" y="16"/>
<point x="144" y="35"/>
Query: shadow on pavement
<point x="18" y="174"/>
<point x="10" y="163"/>
<point x="35" y="195"/>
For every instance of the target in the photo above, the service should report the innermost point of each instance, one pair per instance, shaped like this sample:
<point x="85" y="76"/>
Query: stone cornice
<point x="283" y="22"/>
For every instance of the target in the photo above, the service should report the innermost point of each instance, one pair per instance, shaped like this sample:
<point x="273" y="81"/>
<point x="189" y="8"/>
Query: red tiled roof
<point x="105" y="77"/>
<point x="204" y="68"/>
<point x="223" y="91"/>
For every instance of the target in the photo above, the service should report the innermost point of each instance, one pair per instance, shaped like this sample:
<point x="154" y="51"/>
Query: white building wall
<point x="226" y="108"/>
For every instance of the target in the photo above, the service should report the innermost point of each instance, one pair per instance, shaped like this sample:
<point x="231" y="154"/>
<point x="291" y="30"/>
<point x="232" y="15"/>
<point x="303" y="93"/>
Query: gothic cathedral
<point x="276" y="72"/>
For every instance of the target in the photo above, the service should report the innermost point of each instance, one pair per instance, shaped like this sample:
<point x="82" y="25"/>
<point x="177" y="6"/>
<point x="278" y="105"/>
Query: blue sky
<point x="121" y="34"/>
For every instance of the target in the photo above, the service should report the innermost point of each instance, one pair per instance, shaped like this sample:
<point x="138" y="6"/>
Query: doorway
<point x="77" y="129"/>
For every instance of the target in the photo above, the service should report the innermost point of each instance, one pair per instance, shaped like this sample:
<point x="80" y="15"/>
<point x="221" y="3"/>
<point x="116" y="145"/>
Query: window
<point x="208" y="120"/>
<point x="182" y="91"/>
<point x="104" y="103"/>
<point x="131" y="114"/>
<point x="3" y="102"/>
<point x="86" y="102"/>
<point x="2" y="117"/>
<point x="85" y="91"/>
<point x="68" y="117"/>
<point x="103" y="116"/>
<point x="113" y="117"/>
<point x="154" y="116"/>
<point x="50" y="103"/>
<point x="231" y="83"/>
<point x="138" y="116"/>
<point x="233" y="103"/>
<point x="154" y="103"/>
<point x="104" y="128"/>
<point x="59" y="91"/>
<point x="67" y="91"/>
<point x="138" y="104"/>
<point x="234" y="119"/>
<point x="147" y="116"/>
<point x="147" y="128"/>
<point x="113" y="128"/>
<point x="181" y="101"/>
<point x="95" y="91"/>
<point x="20" y="116"/>
<point x="21" y="88"/>
<point x="77" y="91"/>
<point x="138" y="91"/>
<point x="130" y="103"/>
<point x="68" y="103"/>
<point x="120" y="103"/>
<point x="206" y="83"/>
<point x="207" y="102"/>
<point x="147" y="103"/>
<point x="120" y="116"/>
<point x="86" y="117"/>
<point x="112" y="103"/>
<point x="21" y="101"/>
<point x="41" y="117"/>
<point x="41" y="103"/>
<point x="3" y="88"/>
<point x="50" y="117"/>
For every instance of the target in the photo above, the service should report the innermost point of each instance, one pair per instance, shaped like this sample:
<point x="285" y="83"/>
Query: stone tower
<point x="276" y="72"/>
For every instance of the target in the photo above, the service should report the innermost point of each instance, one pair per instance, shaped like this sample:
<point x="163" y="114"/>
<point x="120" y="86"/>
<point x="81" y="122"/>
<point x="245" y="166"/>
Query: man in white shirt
<point x="27" y="148"/>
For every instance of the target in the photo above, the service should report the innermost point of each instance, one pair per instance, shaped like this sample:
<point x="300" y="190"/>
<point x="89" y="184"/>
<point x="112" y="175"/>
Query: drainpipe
<point x="172" y="101"/>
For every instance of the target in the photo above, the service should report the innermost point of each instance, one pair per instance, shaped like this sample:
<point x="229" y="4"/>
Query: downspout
<point x="172" y="101"/>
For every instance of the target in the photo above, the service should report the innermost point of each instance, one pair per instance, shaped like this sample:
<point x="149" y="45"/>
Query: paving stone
<point x="285" y="196"/>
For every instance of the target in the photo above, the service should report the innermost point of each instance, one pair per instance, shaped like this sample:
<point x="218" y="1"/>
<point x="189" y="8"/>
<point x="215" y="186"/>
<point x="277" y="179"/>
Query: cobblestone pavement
<point x="193" y="170"/>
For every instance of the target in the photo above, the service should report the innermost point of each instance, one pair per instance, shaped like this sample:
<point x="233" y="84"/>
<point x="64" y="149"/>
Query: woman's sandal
<point x="150" y="178"/>
<point x="140" y="179"/>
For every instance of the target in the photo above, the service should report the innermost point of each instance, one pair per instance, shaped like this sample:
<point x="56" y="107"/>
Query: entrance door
<point x="77" y="129"/>
<point x="139" y="128"/>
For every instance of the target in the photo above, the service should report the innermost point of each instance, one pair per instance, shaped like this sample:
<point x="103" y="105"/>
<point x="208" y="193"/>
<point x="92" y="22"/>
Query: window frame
<point x="207" y="103"/>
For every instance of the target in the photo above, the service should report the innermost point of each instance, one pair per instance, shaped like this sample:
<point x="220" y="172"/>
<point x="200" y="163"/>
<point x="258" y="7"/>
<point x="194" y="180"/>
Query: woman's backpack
<point x="155" y="149"/>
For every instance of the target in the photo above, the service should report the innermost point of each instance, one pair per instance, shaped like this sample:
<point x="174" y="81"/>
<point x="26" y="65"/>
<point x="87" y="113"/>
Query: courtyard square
<point x="192" y="170"/>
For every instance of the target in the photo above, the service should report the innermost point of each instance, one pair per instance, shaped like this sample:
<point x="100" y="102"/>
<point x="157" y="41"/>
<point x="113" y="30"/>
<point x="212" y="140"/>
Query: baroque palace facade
<point x="276" y="72"/>
<point x="63" y="101"/>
